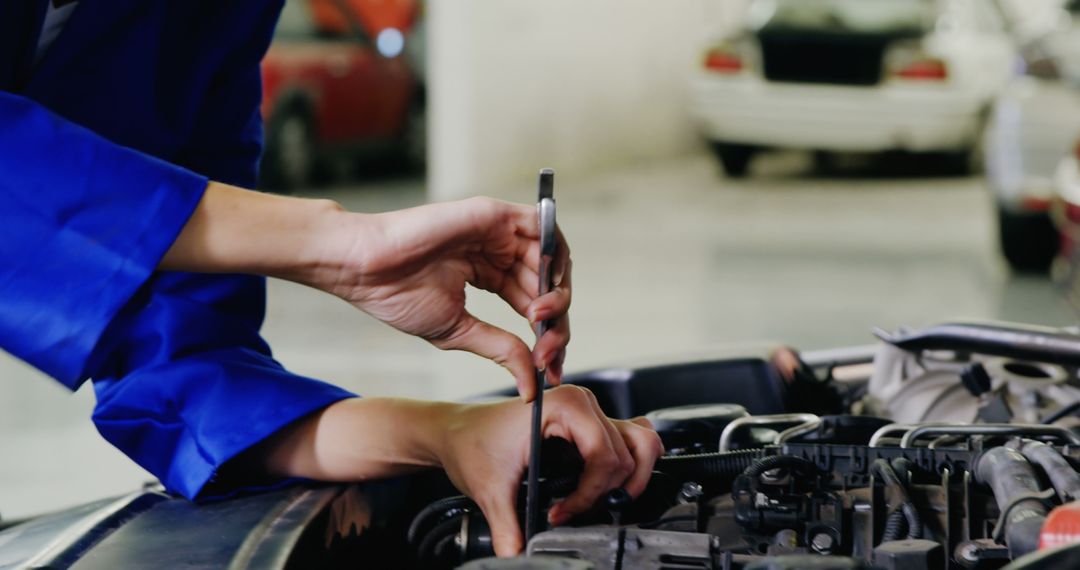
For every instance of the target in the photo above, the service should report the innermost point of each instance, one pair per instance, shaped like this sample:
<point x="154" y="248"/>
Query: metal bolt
<point x="774" y="475"/>
<point x="822" y="543"/>
<point x="690" y="493"/>
<point x="786" y="539"/>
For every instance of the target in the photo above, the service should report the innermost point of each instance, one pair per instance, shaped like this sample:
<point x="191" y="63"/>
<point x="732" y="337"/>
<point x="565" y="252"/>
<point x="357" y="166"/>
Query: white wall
<point x="515" y="85"/>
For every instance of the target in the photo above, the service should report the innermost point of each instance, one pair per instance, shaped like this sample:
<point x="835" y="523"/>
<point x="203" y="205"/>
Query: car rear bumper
<point x="918" y="118"/>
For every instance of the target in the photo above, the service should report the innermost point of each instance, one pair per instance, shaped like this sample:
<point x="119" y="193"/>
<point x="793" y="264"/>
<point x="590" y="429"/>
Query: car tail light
<point x="927" y="68"/>
<point x="723" y="60"/>
<point x="909" y="61"/>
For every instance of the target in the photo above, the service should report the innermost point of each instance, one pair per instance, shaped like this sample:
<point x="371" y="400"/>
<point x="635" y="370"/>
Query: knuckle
<point x="627" y="466"/>
<point x="656" y="442"/>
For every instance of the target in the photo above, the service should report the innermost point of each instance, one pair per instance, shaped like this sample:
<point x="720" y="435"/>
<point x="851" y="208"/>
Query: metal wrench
<point x="545" y="210"/>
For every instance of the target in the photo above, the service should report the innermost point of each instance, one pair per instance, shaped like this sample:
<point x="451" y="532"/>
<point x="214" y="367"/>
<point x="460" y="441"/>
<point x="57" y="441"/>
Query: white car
<point x="854" y="76"/>
<point x="1035" y="123"/>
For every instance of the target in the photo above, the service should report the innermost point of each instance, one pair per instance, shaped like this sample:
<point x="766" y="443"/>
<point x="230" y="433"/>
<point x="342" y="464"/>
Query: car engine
<point x="949" y="447"/>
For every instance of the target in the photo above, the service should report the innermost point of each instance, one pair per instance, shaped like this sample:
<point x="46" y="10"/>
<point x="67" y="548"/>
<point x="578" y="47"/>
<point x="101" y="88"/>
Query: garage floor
<point x="670" y="259"/>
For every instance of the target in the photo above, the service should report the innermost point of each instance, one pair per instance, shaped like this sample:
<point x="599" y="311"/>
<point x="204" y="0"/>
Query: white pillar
<point x="517" y="85"/>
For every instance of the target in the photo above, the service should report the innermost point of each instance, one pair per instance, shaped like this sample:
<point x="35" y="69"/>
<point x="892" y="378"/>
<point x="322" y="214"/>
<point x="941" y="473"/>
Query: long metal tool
<point x="545" y="210"/>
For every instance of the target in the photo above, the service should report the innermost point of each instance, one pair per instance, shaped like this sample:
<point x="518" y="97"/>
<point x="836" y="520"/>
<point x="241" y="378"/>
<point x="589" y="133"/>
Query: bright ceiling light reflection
<point x="390" y="42"/>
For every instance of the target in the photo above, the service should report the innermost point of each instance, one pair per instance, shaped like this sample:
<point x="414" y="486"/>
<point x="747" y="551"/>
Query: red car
<point x="337" y="83"/>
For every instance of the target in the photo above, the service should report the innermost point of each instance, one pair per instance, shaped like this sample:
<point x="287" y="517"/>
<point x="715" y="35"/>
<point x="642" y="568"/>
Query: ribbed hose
<point x="728" y="464"/>
<point x="435" y="510"/>
<point x="907" y="509"/>
<point x="427" y="550"/>
<point x="779" y="461"/>
<point x="895" y="525"/>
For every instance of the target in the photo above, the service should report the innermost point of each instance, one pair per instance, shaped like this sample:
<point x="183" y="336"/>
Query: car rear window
<point x="845" y="16"/>
<point x="305" y="19"/>
<point x="295" y="21"/>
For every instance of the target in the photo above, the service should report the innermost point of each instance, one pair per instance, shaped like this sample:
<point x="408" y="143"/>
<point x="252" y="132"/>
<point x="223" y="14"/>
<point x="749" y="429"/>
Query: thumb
<point x="506" y="349"/>
<point x="505" y="530"/>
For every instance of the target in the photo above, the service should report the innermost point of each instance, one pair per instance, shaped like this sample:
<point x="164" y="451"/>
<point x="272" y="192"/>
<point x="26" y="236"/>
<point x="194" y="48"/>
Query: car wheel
<point x="1029" y="240"/>
<point x="735" y="158"/>
<point x="289" y="160"/>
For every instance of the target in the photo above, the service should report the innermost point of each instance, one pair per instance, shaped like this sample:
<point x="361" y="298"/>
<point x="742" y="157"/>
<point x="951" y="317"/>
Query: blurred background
<point x="728" y="172"/>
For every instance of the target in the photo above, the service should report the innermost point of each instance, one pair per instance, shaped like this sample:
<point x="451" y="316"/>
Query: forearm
<point x="241" y="231"/>
<point x="360" y="439"/>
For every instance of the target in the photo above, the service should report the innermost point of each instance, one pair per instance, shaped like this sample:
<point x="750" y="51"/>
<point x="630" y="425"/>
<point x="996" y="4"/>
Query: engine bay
<point x="948" y="447"/>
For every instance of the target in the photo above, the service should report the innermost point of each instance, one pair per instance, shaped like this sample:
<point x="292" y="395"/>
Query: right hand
<point x="486" y="453"/>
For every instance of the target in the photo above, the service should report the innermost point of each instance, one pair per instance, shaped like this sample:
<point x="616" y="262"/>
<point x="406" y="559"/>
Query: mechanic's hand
<point x="410" y="268"/>
<point x="407" y="268"/>
<point x="486" y="453"/>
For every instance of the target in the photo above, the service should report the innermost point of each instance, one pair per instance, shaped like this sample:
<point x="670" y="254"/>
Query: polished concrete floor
<point x="670" y="259"/>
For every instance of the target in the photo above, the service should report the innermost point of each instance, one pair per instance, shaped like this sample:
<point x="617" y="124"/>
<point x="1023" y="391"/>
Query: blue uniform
<point x="106" y="146"/>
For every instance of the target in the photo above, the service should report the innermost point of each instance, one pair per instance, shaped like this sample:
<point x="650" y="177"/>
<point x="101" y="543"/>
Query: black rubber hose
<point x="1061" y="413"/>
<point x="882" y="469"/>
<point x="914" y="523"/>
<point x="779" y="461"/>
<point x="437" y="509"/>
<point x="442" y="548"/>
<point x="1011" y="477"/>
<point x="1063" y="477"/>
<point x="427" y="551"/>
<point x="728" y="464"/>
<point x="902" y="467"/>
<point x="895" y="525"/>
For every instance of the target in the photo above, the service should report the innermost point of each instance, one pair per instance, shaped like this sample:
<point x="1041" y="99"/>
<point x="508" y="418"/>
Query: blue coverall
<point x="106" y="146"/>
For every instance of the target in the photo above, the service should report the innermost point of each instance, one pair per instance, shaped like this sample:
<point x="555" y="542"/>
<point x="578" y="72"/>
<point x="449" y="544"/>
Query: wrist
<point x="336" y="260"/>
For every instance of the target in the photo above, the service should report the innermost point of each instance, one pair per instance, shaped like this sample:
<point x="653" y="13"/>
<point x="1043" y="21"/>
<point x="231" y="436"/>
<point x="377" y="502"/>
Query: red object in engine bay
<point x="1062" y="526"/>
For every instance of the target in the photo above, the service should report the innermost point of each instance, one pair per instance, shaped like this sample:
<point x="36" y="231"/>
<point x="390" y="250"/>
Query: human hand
<point x="486" y="449"/>
<point x="409" y="269"/>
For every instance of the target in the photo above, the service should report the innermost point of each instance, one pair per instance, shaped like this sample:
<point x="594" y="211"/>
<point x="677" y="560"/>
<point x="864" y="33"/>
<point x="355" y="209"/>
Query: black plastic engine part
<point x="915" y="554"/>
<point x="808" y="562"/>
<point x="976" y="379"/>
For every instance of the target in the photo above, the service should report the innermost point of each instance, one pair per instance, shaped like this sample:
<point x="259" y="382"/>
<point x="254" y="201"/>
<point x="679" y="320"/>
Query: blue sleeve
<point x="186" y="419"/>
<point x="187" y="384"/>
<point x="84" y="223"/>
<point x="184" y="381"/>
